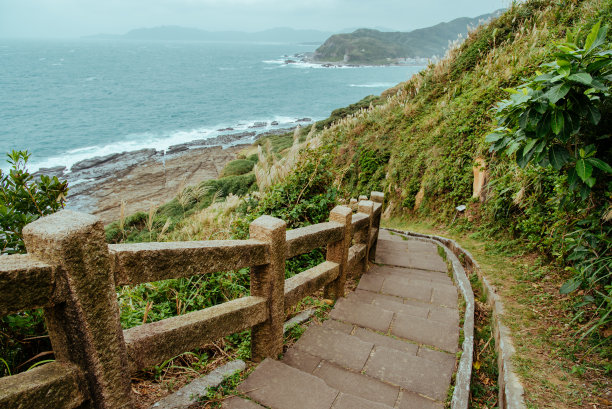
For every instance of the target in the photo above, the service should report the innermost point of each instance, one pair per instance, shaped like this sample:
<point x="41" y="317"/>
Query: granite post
<point x="367" y="207"/>
<point x="84" y="330"/>
<point x="376" y="197"/>
<point x="268" y="281"/>
<point x="338" y="251"/>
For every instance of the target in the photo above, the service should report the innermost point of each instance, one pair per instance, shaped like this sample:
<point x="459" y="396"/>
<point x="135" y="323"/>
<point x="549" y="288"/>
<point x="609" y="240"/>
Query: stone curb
<point x="511" y="391"/>
<point x="188" y="394"/>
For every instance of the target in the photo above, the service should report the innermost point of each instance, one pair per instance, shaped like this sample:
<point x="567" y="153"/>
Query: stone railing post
<point x="84" y="330"/>
<point x="268" y="281"/>
<point x="353" y="204"/>
<point x="376" y="197"/>
<point x="367" y="207"/>
<point x="338" y="251"/>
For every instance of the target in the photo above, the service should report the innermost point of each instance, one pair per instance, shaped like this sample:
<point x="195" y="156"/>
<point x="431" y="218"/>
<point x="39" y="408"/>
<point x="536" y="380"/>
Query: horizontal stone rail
<point x="139" y="263"/>
<point x="356" y="254"/>
<point x="360" y="221"/>
<point x="306" y="239"/>
<point x="54" y="385"/>
<point x="72" y="273"/>
<point x="26" y="283"/>
<point x="373" y="236"/>
<point x="149" y="344"/>
<point x="303" y="284"/>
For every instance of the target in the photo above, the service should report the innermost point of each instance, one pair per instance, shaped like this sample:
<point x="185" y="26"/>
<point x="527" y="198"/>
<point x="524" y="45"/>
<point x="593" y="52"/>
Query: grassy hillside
<point x="419" y="143"/>
<point x="367" y="46"/>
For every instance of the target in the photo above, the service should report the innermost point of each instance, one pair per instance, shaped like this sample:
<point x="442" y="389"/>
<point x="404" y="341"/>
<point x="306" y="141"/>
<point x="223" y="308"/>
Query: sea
<point x="69" y="100"/>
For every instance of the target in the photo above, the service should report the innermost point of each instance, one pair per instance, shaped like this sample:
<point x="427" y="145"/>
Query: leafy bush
<point x="555" y="122"/>
<point x="238" y="167"/>
<point x="545" y="121"/>
<point x="23" y="200"/>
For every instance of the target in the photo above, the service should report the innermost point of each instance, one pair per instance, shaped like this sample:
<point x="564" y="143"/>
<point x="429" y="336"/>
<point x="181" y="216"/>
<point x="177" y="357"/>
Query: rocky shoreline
<point x="310" y="58"/>
<point x="149" y="177"/>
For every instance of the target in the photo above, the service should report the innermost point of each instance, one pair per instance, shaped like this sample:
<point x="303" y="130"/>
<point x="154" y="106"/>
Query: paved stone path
<point x="389" y="344"/>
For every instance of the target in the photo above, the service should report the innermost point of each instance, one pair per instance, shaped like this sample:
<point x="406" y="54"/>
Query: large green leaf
<point x="593" y="114"/>
<point x="584" y="169"/>
<point x="596" y="37"/>
<point x="570" y="286"/>
<point x="557" y="122"/>
<point x="600" y="164"/>
<point x="558" y="156"/>
<point x="581" y="78"/>
<point x="495" y="136"/>
<point x="565" y="68"/>
<point x="590" y="40"/>
<point x="557" y="92"/>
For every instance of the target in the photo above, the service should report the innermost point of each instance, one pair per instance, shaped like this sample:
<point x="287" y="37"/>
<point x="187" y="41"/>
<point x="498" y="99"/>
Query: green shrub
<point x="552" y="119"/>
<point x="23" y="200"/>
<point x="238" y="167"/>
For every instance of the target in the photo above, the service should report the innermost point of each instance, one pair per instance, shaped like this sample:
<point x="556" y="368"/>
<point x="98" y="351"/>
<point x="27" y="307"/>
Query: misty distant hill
<point x="367" y="46"/>
<point x="176" y="33"/>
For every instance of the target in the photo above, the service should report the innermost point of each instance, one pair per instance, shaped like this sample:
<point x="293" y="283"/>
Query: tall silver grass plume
<point x="313" y="129"/>
<point x="296" y="133"/>
<point x="165" y="228"/>
<point x="122" y="214"/>
<point x="150" y="218"/>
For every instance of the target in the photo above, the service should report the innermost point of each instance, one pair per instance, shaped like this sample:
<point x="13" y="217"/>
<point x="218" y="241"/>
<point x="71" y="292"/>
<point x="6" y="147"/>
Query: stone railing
<point x="72" y="273"/>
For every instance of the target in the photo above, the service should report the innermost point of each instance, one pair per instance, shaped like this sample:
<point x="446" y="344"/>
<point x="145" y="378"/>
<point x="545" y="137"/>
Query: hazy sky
<point x="74" y="18"/>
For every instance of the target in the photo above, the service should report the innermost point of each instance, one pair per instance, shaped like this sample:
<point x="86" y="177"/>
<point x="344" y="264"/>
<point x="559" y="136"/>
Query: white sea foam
<point x="282" y="62"/>
<point x="161" y="141"/>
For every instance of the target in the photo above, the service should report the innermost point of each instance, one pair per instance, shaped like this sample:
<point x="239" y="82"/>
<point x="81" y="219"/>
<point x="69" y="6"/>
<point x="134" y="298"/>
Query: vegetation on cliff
<point x="548" y="200"/>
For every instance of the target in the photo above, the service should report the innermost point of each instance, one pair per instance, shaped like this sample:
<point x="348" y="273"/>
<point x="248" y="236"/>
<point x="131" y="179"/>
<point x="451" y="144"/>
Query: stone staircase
<point x="389" y="344"/>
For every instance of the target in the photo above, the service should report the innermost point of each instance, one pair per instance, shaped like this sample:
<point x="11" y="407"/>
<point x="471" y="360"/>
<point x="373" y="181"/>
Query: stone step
<point x="320" y="346"/>
<point x="413" y="373"/>
<point x="411" y="274"/>
<point x="407" y="306"/>
<point x="420" y="290"/>
<point x="424" y="331"/>
<point x="361" y="385"/>
<point x="342" y="349"/>
<point x="362" y="314"/>
<point x="307" y="362"/>
<point x="412" y="254"/>
<point x="279" y="386"/>
<point x="405" y="325"/>
<point x="357" y="384"/>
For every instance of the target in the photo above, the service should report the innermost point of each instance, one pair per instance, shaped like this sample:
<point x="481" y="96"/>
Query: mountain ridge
<point x="369" y="46"/>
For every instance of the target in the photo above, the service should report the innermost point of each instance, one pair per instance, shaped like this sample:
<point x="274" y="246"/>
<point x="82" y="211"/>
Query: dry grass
<point x="271" y="170"/>
<point x="208" y="224"/>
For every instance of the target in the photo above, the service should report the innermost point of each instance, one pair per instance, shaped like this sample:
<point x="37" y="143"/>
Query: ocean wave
<point x="374" y="85"/>
<point x="282" y="62"/>
<point x="162" y="141"/>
